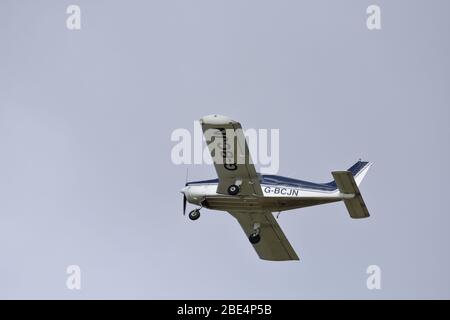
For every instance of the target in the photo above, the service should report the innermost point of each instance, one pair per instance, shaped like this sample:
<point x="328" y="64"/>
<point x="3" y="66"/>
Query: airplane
<point x="252" y="198"/>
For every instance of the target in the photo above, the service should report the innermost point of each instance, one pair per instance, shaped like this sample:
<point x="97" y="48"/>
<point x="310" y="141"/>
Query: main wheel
<point x="254" y="238"/>
<point x="233" y="190"/>
<point x="194" y="214"/>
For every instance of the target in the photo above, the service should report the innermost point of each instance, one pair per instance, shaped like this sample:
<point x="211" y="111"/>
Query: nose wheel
<point x="194" y="214"/>
<point x="254" y="238"/>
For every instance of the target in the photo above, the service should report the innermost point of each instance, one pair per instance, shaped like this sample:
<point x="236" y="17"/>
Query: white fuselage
<point x="275" y="198"/>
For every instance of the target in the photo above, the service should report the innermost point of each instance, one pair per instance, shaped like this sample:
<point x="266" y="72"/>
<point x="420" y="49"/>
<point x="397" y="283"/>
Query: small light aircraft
<point x="251" y="197"/>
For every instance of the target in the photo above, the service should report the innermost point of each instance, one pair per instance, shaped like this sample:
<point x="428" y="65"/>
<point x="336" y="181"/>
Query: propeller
<point x="184" y="195"/>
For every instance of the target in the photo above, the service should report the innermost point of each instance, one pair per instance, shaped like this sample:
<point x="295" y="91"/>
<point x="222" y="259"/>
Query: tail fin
<point x="359" y="170"/>
<point x="347" y="183"/>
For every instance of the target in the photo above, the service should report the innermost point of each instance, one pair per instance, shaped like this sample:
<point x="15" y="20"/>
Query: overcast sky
<point x="86" y="116"/>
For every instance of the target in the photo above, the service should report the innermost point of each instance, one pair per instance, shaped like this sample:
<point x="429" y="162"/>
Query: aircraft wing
<point x="273" y="244"/>
<point x="230" y="154"/>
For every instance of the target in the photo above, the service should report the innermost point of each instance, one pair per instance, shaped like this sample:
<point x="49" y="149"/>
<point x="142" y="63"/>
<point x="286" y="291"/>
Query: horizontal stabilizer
<point x="347" y="185"/>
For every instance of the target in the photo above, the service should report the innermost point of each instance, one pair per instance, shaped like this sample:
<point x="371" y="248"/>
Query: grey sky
<point x="85" y="124"/>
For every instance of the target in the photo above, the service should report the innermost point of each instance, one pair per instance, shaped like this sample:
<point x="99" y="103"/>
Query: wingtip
<point x="216" y="119"/>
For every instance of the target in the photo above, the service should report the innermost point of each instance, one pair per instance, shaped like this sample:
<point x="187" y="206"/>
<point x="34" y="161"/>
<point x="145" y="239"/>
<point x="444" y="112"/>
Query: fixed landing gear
<point x="194" y="214"/>
<point x="255" y="237"/>
<point x="233" y="190"/>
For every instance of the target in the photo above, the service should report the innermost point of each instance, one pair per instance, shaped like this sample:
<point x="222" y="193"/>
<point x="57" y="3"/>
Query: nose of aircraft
<point x="184" y="190"/>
